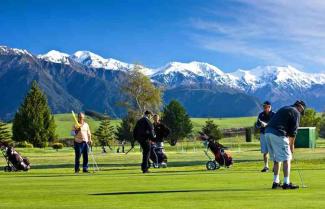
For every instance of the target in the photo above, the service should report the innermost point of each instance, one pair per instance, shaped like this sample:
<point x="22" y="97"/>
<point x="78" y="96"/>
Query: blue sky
<point x="229" y="34"/>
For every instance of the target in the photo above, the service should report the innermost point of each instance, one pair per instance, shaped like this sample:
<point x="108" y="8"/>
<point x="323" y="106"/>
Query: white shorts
<point x="278" y="147"/>
<point x="263" y="142"/>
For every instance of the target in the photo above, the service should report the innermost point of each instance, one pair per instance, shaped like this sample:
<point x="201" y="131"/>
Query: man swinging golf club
<point x="280" y="136"/>
<point x="82" y="137"/>
<point x="262" y="121"/>
<point x="144" y="132"/>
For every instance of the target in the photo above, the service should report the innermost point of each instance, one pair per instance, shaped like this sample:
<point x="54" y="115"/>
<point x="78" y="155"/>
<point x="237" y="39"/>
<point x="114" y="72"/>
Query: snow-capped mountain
<point x="92" y="60"/>
<point x="55" y="56"/>
<point x="176" y="74"/>
<point x="245" y="80"/>
<point x="13" y="51"/>
<point x="190" y="83"/>
<point x="277" y="77"/>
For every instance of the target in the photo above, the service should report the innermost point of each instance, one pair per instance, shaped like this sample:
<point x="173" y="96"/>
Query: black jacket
<point x="144" y="130"/>
<point x="265" y="118"/>
<point x="285" y="122"/>
<point x="161" y="131"/>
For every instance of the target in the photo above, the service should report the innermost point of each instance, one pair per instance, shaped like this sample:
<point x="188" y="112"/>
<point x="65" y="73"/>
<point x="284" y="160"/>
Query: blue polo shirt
<point x="265" y="118"/>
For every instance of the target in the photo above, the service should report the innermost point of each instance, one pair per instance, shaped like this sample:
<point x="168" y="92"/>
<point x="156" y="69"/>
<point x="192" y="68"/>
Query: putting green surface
<point x="186" y="183"/>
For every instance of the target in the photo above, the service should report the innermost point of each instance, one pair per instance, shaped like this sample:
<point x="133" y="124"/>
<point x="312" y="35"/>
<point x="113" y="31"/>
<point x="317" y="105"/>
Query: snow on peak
<point x="93" y="60"/>
<point x="8" y="50"/>
<point x="190" y="69"/>
<point x="55" y="56"/>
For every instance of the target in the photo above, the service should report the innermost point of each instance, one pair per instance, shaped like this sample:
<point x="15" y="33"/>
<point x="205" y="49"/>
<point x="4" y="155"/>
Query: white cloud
<point x="282" y="32"/>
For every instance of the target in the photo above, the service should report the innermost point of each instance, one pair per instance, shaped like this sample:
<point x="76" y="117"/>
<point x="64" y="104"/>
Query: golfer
<point x="262" y="121"/>
<point x="82" y="137"/>
<point x="280" y="136"/>
<point x="161" y="131"/>
<point x="144" y="132"/>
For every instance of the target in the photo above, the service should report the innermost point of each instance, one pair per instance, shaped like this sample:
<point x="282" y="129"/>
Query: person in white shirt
<point x="82" y="138"/>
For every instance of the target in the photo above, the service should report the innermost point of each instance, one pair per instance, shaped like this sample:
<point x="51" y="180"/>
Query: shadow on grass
<point x="172" y="191"/>
<point x="110" y="165"/>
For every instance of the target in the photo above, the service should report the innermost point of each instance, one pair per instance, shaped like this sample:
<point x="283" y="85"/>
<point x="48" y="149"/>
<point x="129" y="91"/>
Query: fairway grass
<point x="186" y="183"/>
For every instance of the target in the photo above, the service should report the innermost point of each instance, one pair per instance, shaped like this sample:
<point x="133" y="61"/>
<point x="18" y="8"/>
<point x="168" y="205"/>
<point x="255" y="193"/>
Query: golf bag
<point x="157" y="155"/>
<point x="15" y="162"/>
<point x="222" y="157"/>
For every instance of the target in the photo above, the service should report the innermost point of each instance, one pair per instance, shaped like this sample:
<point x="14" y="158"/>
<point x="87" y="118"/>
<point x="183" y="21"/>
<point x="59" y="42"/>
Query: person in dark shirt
<point x="161" y="131"/>
<point x="280" y="136"/>
<point x="262" y="121"/>
<point x="144" y="132"/>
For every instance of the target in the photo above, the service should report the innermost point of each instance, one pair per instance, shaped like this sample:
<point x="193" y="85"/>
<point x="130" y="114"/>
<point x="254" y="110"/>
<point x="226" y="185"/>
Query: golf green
<point x="186" y="183"/>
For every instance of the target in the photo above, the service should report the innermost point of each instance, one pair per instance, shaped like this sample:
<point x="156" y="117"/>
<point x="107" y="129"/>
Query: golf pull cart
<point x="221" y="158"/>
<point x="213" y="164"/>
<point x="157" y="156"/>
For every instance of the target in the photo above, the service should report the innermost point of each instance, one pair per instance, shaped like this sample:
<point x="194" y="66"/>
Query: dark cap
<point x="147" y="112"/>
<point x="301" y="104"/>
<point x="266" y="103"/>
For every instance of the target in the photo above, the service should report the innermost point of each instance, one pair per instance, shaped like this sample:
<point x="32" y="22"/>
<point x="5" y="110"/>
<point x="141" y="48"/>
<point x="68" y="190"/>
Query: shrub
<point x="24" y="144"/>
<point x="67" y="142"/>
<point x="212" y="130"/>
<point x="57" y="146"/>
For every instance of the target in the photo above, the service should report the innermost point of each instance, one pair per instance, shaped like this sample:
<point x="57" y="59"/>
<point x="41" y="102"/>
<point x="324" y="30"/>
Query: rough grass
<point x="65" y="122"/>
<point x="184" y="184"/>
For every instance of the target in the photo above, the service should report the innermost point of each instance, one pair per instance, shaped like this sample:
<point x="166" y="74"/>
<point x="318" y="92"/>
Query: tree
<point x="125" y="130"/>
<point x="176" y="118"/>
<point x="212" y="130"/>
<point x="322" y="126"/>
<point x="141" y="93"/>
<point x="5" y="135"/>
<point x="33" y="122"/>
<point x="310" y="119"/>
<point x="105" y="133"/>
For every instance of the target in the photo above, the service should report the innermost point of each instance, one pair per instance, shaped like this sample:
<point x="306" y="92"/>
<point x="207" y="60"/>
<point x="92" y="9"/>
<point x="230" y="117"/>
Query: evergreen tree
<point x="5" y="135"/>
<point x="322" y="126"/>
<point x="212" y="130"/>
<point x="105" y="134"/>
<point x="33" y="122"/>
<point x="176" y="118"/>
<point x="125" y="130"/>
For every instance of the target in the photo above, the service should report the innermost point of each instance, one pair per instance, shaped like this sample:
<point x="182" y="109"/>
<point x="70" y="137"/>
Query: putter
<point x="95" y="166"/>
<point x="300" y="175"/>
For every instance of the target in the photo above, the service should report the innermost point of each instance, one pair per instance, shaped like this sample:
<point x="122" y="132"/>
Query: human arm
<point x="89" y="136"/>
<point x="292" y="143"/>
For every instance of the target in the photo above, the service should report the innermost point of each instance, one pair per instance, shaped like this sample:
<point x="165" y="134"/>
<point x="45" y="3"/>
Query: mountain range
<point x="87" y="81"/>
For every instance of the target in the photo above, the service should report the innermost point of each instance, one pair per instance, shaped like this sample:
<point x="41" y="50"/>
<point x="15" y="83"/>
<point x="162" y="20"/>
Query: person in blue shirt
<point x="280" y="135"/>
<point x="262" y="121"/>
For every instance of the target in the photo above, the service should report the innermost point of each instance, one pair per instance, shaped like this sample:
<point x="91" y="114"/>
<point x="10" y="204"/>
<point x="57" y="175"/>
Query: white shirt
<point x="83" y="134"/>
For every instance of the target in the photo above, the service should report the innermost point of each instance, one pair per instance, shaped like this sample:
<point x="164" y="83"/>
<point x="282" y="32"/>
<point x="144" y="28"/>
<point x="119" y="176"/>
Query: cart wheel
<point x="212" y="165"/>
<point x="7" y="168"/>
<point x="164" y="165"/>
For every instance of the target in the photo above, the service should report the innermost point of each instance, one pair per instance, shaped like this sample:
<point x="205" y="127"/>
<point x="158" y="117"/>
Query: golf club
<point x="300" y="175"/>
<point x="95" y="166"/>
<point x="129" y="150"/>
